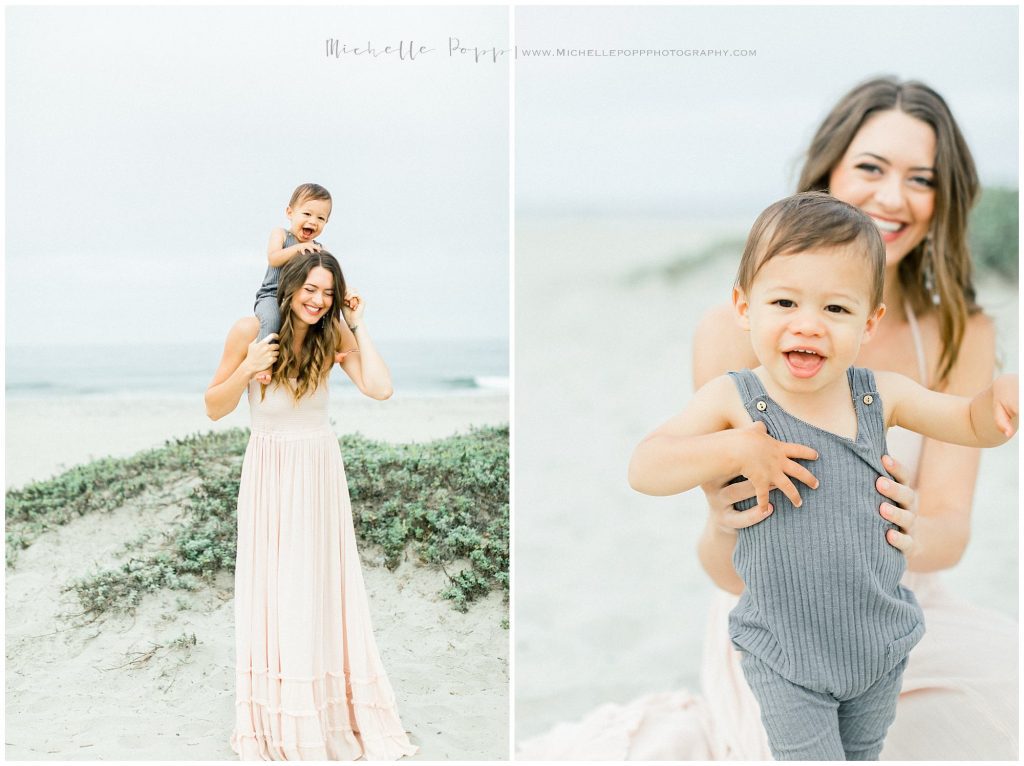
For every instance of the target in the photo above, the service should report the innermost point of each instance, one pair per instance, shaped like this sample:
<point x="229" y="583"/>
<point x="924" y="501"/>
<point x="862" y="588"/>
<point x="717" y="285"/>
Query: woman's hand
<point x="261" y="355"/>
<point x="721" y="498"/>
<point x="352" y="307"/>
<point x="902" y="511"/>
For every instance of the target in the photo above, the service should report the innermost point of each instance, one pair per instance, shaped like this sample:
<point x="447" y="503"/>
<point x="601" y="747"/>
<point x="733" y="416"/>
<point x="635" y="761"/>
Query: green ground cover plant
<point x="444" y="502"/>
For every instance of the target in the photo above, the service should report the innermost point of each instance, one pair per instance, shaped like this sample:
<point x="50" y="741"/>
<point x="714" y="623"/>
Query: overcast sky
<point x="704" y="136"/>
<point x="150" y="151"/>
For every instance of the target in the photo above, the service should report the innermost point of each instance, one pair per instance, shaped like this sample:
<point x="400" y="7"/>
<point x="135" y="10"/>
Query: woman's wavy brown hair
<point x="313" y="364"/>
<point x="936" y="274"/>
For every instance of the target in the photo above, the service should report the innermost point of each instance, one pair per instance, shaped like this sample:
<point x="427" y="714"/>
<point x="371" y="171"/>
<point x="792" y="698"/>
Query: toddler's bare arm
<point x="712" y="438"/>
<point x="987" y="420"/>
<point x="279" y="255"/>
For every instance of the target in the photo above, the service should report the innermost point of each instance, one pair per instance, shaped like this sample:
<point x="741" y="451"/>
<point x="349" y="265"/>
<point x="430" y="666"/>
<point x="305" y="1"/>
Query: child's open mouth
<point x="804" y="363"/>
<point x="307" y="231"/>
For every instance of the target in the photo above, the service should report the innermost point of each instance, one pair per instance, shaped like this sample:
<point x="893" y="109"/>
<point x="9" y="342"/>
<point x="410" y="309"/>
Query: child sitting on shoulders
<point x="308" y="212"/>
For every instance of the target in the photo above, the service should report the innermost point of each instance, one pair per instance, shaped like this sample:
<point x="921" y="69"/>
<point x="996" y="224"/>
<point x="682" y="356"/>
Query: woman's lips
<point x="890" y="230"/>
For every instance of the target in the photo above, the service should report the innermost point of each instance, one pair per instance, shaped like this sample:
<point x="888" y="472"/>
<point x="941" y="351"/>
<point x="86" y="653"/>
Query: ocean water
<point x="421" y="367"/>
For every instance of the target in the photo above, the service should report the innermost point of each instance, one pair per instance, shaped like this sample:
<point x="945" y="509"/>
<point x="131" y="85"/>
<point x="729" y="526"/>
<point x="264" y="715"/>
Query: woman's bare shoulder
<point x="719" y="323"/>
<point x="720" y="345"/>
<point x="975" y="364"/>
<point x="980" y="328"/>
<point x="244" y="331"/>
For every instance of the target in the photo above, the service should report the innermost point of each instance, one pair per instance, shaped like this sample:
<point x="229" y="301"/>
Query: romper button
<point x="762" y="406"/>
<point x="868" y="398"/>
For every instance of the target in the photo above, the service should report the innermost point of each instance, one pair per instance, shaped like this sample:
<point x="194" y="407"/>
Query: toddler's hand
<point x="263" y="377"/>
<point x="1004" y="402"/>
<point x="769" y="463"/>
<point x="308" y="247"/>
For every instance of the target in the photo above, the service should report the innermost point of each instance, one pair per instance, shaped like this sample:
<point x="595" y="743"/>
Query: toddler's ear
<point x="872" y="324"/>
<point x="742" y="306"/>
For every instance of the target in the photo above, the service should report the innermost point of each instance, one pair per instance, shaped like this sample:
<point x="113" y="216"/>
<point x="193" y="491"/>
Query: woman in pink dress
<point x="893" y="149"/>
<point x="310" y="684"/>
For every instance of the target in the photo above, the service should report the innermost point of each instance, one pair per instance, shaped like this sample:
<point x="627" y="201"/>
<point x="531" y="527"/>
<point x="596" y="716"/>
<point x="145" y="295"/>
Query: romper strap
<point x="868" y="404"/>
<point x="862" y="381"/>
<point x="749" y="385"/>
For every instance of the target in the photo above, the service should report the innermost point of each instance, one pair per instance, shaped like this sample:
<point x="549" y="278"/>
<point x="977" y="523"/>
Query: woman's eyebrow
<point x="878" y="157"/>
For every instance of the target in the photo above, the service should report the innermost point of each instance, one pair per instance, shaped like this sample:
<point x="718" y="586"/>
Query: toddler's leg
<point x="801" y="724"/>
<point x="864" y="720"/>
<point x="269" y="314"/>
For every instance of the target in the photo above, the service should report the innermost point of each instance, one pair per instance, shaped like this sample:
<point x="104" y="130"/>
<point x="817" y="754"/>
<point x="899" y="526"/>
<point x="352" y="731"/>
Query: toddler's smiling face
<point x="808" y="314"/>
<point x="308" y="218"/>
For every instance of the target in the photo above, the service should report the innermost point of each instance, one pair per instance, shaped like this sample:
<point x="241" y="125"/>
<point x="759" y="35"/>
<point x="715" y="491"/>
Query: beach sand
<point x="46" y="434"/>
<point x="121" y="689"/>
<point x="610" y="601"/>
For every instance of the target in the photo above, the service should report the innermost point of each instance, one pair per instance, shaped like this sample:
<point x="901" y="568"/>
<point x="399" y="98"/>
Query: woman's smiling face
<point x="316" y="296"/>
<point x="888" y="171"/>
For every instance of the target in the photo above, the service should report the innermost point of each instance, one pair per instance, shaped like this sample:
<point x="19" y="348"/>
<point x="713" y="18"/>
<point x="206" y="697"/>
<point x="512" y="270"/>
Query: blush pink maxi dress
<point x="959" y="699"/>
<point x="310" y="684"/>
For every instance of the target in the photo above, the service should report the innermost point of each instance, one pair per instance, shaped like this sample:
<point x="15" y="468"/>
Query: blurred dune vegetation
<point x="993" y="232"/>
<point x="993" y="237"/>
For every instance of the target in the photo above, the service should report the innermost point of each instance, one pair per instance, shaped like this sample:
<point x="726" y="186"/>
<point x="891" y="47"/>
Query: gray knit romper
<point x="823" y="621"/>
<point x="266" y="308"/>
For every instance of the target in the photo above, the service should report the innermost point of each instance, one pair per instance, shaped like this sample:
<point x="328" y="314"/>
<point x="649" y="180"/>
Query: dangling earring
<point x="928" y="268"/>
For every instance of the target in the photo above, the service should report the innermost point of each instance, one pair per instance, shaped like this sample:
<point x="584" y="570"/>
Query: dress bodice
<point x="279" y="414"/>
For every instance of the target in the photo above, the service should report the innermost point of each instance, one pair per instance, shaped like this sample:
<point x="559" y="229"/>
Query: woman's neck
<point x="893" y="294"/>
<point x="299" y="331"/>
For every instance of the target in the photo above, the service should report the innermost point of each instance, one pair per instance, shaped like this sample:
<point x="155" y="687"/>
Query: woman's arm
<point x="365" y="366"/>
<point x="948" y="473"/>
<point x="243" y="357"/>
<point x="719" y="345"/>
